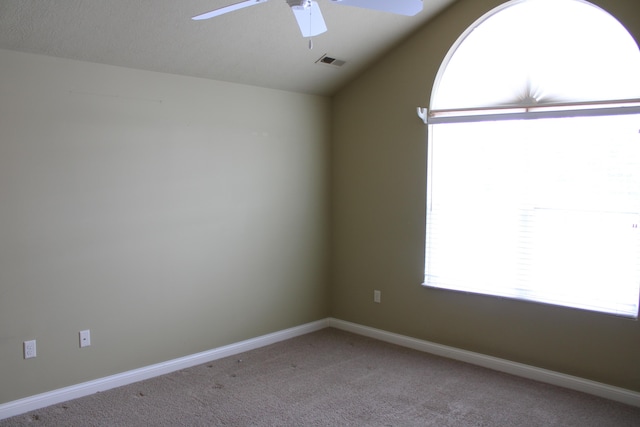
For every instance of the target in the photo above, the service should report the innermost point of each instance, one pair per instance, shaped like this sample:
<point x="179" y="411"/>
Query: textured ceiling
<point x="259" y="45"/>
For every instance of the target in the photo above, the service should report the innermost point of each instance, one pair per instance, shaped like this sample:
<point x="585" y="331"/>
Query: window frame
<point x="437" y="117"/>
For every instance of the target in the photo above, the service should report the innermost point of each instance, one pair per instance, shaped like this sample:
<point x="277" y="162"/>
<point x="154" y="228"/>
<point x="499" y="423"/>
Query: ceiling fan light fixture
<point x="309" y="17"/>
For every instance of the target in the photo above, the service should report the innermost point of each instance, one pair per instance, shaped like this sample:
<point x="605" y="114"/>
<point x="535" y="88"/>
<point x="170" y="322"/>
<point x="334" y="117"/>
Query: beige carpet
<point x="334" y="378"/>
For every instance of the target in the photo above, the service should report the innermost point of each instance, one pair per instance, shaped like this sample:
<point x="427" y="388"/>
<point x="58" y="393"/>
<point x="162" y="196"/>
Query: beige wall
<point x="168" y="215"/>
<point x="378" y="208"/>
<point x="172" y="215"/>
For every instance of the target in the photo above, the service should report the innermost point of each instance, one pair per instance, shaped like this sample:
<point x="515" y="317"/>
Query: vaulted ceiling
<point x="259" y="45"/>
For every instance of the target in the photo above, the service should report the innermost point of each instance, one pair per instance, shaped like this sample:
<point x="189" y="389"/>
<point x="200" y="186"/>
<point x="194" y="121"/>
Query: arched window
<point x="533" y="185"/>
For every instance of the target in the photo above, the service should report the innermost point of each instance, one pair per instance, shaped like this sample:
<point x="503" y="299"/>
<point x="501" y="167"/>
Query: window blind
<point x="546" y="210"/>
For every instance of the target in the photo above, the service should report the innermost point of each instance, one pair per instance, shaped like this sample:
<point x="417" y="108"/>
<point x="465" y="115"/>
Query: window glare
<point x="525" y="55"/>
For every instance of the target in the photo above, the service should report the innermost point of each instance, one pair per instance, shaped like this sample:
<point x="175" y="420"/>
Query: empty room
<point x="331" y="212"/>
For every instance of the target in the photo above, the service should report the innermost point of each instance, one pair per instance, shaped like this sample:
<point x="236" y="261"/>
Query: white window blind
<point x="533" y="185"/>
<point x="545" y="210"/>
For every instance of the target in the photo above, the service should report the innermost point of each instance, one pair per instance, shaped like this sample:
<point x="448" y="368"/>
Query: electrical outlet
<point x="85" y="338"/>
<point x="376" y="296"/>
<point x="29" y="349"/>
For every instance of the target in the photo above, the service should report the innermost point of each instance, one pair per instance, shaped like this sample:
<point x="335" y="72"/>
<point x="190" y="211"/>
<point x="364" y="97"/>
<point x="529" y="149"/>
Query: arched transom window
<point x="533" y="185"/>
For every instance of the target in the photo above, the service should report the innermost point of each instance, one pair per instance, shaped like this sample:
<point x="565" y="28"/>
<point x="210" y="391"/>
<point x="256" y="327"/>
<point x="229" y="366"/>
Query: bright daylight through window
<point x="533" y="185"/>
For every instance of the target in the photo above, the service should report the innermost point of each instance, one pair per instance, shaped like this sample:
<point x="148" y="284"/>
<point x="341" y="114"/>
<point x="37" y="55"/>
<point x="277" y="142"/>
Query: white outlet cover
<point x="85" y="338"/>
<point x="30" y="349"/>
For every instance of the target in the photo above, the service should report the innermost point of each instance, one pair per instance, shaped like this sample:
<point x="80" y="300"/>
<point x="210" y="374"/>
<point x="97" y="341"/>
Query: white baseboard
<point x="38" y="401"/>
<point x="526" y="371"/>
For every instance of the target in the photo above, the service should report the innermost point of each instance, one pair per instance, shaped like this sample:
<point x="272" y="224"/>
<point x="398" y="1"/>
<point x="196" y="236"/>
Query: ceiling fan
<point x="309" y="17"/>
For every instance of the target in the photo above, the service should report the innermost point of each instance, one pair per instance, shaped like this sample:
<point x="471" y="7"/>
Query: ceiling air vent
<point x="327" y="60"/>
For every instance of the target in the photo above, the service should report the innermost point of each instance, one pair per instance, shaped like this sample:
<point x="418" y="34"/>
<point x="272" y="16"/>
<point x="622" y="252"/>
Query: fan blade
<point x="228" y="9"/>
<point x="399" y="7"/>
<point x="309" y="19"/>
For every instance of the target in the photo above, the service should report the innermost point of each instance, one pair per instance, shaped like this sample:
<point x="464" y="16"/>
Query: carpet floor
<point x="334" y="378"/>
